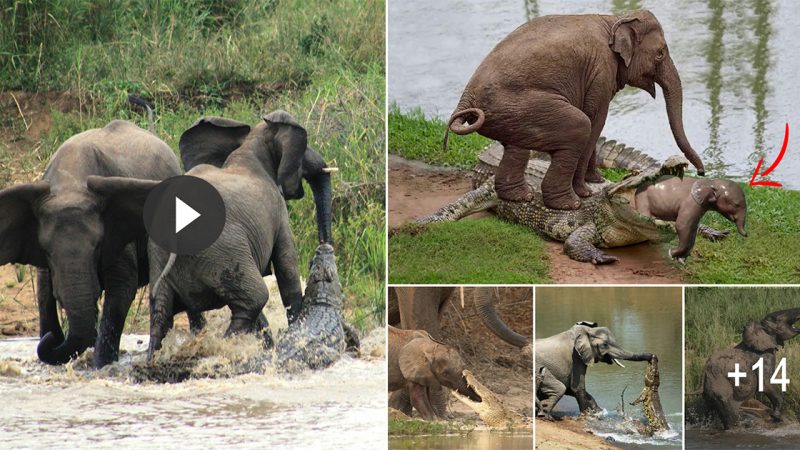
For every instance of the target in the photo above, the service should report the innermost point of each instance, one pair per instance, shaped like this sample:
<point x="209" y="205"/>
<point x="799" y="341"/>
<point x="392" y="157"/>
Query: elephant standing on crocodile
<point x="567" y="356"/>
<point x="85" y="235"/>
<point x="421" y="365"/>
<point x="419" y="308"/>
<point x="760" y="339"/>
<point x="547" y="87"/>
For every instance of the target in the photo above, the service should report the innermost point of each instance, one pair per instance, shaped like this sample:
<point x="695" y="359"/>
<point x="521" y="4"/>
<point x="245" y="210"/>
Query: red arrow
<point x="753" y="181"/>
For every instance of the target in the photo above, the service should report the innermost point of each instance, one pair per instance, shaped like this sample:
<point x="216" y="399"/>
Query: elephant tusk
<point x="330" y="169"/>
<point x="616" y="361"/>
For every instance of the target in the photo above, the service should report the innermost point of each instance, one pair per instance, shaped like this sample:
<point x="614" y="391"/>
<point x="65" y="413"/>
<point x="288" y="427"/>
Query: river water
<point x="736" y="59"/>
<point x="45" y="407"/>
<point x="642" y="320"/>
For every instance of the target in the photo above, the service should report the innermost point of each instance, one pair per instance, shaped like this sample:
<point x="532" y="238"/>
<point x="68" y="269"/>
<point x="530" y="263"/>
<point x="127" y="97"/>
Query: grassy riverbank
<point x="68" y="66"/>
<point x="768" y="255"/>
<point x="715" y="318"/>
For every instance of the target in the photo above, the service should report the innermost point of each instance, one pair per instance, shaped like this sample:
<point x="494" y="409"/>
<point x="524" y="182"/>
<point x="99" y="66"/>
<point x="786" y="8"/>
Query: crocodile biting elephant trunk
<point x="490" y="318"/>
<point x="670" y="82"/>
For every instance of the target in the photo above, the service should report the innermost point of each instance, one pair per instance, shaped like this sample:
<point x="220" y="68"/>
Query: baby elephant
<point x="421" y="364"/>
<point x="686" y="200"/>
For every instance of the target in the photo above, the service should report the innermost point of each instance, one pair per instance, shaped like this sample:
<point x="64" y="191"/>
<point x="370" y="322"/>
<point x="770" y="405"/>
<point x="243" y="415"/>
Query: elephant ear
<point x="704" y="193"/>
<point x="124" y="200"/>
<point x="19" y="240"/>
<point x="757" y="339"/>
<point x="210" y="140"/>
<point x="624" y="37"/>
<point x="415" y="360"/>
<point x="583" y="347"/>
<point x="291" y="143"/>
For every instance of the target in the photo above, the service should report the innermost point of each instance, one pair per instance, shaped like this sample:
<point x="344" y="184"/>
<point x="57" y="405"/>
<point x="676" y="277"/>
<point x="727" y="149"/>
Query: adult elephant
<point x="760" y="340"/>
<point x="567" y="355"/>
<point x="419" y="308"/>
<point x="547" y="87"/>
<point x="211" y="140"/>
<point x="85" y="238"/>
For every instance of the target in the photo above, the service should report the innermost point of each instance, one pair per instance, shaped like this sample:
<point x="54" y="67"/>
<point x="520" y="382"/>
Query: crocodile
<point x="316" y="340"/>
<point x="607" y="219"/>
<point x="490" y="409"/>
<point x="651" y="401"/>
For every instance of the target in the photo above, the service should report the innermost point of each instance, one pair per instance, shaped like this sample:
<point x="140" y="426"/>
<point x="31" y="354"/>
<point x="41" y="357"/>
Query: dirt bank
<point x="417" y="189"/>
<point x="567" y="434"/>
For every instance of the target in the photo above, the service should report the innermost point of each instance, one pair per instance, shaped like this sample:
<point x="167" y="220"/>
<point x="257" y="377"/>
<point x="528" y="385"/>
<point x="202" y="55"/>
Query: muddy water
<point x="643" y="320"/>
<point x="475" y="440"/>
<point x="43" y="407"/>
<point x="783" y="438"/>
<point x="736" y="61"/>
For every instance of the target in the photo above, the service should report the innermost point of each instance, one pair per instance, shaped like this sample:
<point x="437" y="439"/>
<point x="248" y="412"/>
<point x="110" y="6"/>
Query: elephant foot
<point x="564" y="202"/>
<point x="582" y="189"/>
<point x="593" y="176"/>
<point x="518" y="194"/>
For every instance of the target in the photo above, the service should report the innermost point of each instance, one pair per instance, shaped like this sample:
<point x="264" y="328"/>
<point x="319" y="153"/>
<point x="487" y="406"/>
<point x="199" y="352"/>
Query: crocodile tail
<point x="613" y="154"/>
<point x="464" y="121"/>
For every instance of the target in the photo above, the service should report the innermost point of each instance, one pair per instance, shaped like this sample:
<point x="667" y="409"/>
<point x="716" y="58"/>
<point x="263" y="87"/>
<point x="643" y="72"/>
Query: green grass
<point x="485" y="250"/>
<point x="239" y="59"/>
<point x="715" y="318"/>
<point x="768" y="255"/>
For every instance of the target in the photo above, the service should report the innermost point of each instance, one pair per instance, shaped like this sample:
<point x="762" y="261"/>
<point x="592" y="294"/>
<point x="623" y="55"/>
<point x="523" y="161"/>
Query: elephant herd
<point x="81" y="226"/>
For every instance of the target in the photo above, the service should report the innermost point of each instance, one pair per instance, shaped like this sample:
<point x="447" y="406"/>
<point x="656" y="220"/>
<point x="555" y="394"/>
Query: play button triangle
<point x="184" y="215"/>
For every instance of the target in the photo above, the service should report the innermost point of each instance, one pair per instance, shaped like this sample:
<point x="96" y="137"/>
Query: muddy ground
<point x="501" y="367"/>
<point x="569" y="433"/>
<point x="417" y="189"/>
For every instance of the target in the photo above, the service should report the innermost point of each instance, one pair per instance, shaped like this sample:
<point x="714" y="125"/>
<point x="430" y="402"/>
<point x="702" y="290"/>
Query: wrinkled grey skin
<point x="418" y="308"/>
<point x="255" y="238"/>
<point x="421" y="365"/>
<point x="568" y="354"/>
<point x="548" y="85"/>
<point x="547" y="387"/>
<point x="211" y="139"/>
<point x="685" y="201"/>
<point x="84" y="233"/>
<point x="760" y="339"/>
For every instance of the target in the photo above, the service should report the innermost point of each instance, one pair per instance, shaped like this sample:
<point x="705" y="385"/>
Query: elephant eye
<point x="661" y="54"/>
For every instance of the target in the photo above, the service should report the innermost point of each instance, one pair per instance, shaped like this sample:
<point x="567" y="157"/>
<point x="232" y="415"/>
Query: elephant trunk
<point x="670" y="83"/>
<point x="740" y="220"/>
<point x="490" y="318"/>
<point x="80" y="302"/>
<point x="320" y="182"/>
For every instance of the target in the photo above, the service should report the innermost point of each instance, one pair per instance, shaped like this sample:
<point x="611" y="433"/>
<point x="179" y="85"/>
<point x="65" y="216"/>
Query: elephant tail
<point x="464" y="121"/>
<point x="164" y="272"/>
<point x="147" y="105"/>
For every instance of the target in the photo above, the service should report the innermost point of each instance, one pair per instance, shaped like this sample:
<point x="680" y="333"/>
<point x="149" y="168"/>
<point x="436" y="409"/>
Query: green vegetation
<point x="238" y="59"/>
<point x="485" y="250"/>
<point x="768" y="255"/>
<point x="715" y="318"/>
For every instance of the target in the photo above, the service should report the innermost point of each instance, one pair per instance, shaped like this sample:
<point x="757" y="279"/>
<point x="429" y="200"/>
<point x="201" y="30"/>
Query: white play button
<point x="184" y="215"/>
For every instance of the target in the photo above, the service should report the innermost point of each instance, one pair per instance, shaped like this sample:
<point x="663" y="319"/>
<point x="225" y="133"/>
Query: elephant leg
<point x="245" y="294"/>
<point x="770" y="390"/>
<point x="587" y="167"/>
<point x="509" y="181"/>
<point x="401" y="401"/>
<point x="438" y="398"/>
<point x="721" y="402"/>
<point x="562" y="130"/>
<point x="161" y="316"/>
<point x="48" y="311"/>
<point x="420" y="400"/>
<point x="550" y="390"/>
<point x="284" y="263"/>
<point x="120" y="281"/>
<point x="586" y="403"/>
